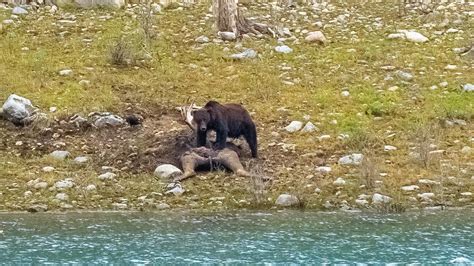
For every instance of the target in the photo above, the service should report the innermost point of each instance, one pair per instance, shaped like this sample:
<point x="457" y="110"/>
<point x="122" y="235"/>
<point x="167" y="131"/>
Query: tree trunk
<point x="229" y="18"/>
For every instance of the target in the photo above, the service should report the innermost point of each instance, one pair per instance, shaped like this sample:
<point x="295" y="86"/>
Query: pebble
<point x="227" y="35"/>
<point x="345" y="93"/>
<point x="107" y="176"/>
<point x="65" y="72"/>
<point x="48" y="169"/>
<point x="62" y="196"/>
<point x="361" y="202"/>
<point x="247" y="54"/>
<point x="38" y="208"/>
<point x="81" y="159"/>
<point x="40" y="185"/>
<point x="85" y="83"/>
<point x="19" y="11"/>
<point x="323" y="169"/>
<point x="91" y="187"/>
<point x="64" y="184"/>
<point x="109" y="120"/>
<point x="309" y="127"/>
<point x="163" y="206"/>
<point x="283" y="49"/>
<point x="202" y="39"/>
<point x="410" y="188"/>
<point x="414" y="36"/>
<point x="466" y="194"/>
<point x="60" y="155"/>
<point x="451" y="67"/>
<point x="119" y="206"/>
<point x="389" y="148"/>
<point x="468" y="87"/>
<point x="428" y="182"/>
<point x="466" y="150"/>
<point x="352" y="159"/>
<point x="379" y="198"/>
<point x="339" y="182"/>
<point x="294" y="126"/>
<point x="404" y="75"/>
<point x="426" y="196"/>
<point x="316" y="37"/>
<point x="287" y="200"/>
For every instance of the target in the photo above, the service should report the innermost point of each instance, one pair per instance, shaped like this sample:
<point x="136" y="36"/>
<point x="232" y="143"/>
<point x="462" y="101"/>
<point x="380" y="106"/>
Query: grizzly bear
<point x="227" y="120"/>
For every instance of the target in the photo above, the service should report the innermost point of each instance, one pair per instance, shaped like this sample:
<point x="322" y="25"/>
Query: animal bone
<point x="187" y="114"/>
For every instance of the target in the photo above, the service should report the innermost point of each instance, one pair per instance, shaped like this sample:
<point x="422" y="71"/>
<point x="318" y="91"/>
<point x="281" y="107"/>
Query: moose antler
<point x="187" y="115"/>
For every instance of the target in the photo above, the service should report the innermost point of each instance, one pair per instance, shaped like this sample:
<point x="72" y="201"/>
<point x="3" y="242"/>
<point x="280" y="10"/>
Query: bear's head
<point x="201" y="119"/>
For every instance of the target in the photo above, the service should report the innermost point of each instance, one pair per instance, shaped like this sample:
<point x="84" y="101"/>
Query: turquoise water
<point x="237" y="238"/>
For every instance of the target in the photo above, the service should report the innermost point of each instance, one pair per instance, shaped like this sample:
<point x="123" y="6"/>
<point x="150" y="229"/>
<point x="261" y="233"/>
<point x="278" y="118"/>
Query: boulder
<point x="17" y="109"/>
<point x="167" y="171"/>
<point x="316" y="37"/>
<point x="287" y="200"/>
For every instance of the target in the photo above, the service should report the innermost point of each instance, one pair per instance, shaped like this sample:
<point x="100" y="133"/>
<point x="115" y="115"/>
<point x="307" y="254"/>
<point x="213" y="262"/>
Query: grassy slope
<point x="168" y="80"/>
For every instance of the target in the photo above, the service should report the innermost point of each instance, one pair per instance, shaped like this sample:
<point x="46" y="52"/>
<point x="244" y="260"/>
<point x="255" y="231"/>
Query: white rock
<point x="443" y="84"/>
<point x="81" y="159"/>
<point x="345" y="93"/>
<point x="48" y="169"/>
<point x="323" y="169"/>
<point x="339" y="182"/>
<point x="410" y="188"/>
<point x="287" y="200"/>
<point x="294" y="126"/>
<point x="162" y="206"/>
<point x="53" y="9"/>
<point x="59" y="155"/>
<point x="317" y="190"/>
<point x="309" y="127"/>
<point x="324" y="137"/>
<point x="414" y="36"/>
<point x="40" y="185"/>
<point x="451" y="67"/>
<point x="119" y="206"/>
<point x="468" y="87"/>
<point x="19" y="11"/>
<point x="227" y="35"/>
<point x="247" y="54"/>
<point x="63" y="184"/>
<point x="167" y="171"/>
<point x="451" y="30"/>
<point x="202" y="39"/>
<point x="466" y="150"/>
<point x="389" y="148"/>
<point x="84" y="83"/>
<point x="404" y="75"/>
<point x="396" y="36"/>
<point x="65" y="72"/>
<point x="27" y="194"/>
<point x="62" y="196"/>
<point x="426" y="196"/>
<point x="379" y="198"/>
<point x="316" y="37"/>
<point x="107" y="176"/>
<point x="283" y="49"/>
<point x="361" y="202"/>
<point x="156" y="8"/>
<point x="352" y="159"/>
<point x="17" y="108"/>
<point x="176" y="190"/>
<point x="428" y="182"/>
<point x="109" y="120"/>
<point x="91" y="187"/>
<point x="466" y="194"/>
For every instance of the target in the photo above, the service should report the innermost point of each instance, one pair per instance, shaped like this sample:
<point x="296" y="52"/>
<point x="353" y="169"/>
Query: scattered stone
<point x="317" y="190"/>
<point x="283" y="49"/>
<point x="428" y="182"/>
<point x="361" y="202"/>
<point x="62" y="196"/>
<point x="443" y="84"/>
<point x="316" y="37"/>
<point x="167" y="171"/>
<point x="379" y="198"/>
<point x="40" y="185"/>
<point x="339" y="182"/>
<point x="65" y="72"/>
<point x="19" y="11"/>
<point x="38" y="208"/>
<point x="352" y="159"/>
<point x="287" y="200"/>
<point x="176" y="189"/>
<point x="466" y="150"/>
<point x="156" y="8"/>
<point x="91" y="187"/>
<point x="323" y="169"/>
<point x="393" y="36"/>
<point x="109" y="120"/>
<point x="468" y="87"/>
<point x="107" y="176"/>
<point x="85" y="83"/>
<point x="227" y="35"/>
<point x="163" y="206"/>
<point x="17" y="109"/>
<point x="345" y="93"/>
<point x="426" y="196"/>
<point x="414" y="36"/>
<point x="27" y="194"/>
<point x="410" y="188"/>
<point x="451" y="67"/>
<point x="389" y="148"/>
<point x="119" y="206"/>
<point x="202" y="39"/>
<point x="404" y="75"/>
<point x="60" y="155"/>
<point x="309" y="127"/>
<point x="64" y="184"/>
<point x="466" y="194"/>
<point x="247" y="54"/>
<point x="324" y="137"/>
<point x="48" y="169"/>
<point x="81" y="159"/>
<point x="294" y="126"/>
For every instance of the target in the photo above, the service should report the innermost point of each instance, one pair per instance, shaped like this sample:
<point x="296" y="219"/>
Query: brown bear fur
<point x="227" y="120"/>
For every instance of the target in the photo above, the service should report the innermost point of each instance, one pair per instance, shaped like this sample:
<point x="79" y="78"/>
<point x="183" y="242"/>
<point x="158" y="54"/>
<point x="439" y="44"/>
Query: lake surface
<point x="237" y="238"/>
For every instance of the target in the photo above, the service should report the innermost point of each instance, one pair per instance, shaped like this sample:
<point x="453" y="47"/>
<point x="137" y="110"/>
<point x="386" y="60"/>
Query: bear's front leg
<point x="221" y="139"/>
<point x="201" y="138"/>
